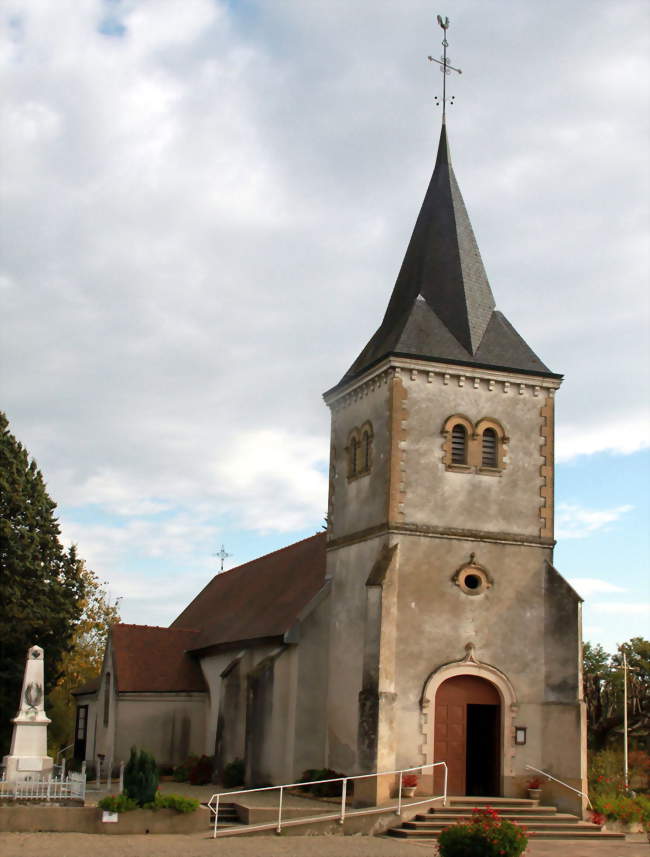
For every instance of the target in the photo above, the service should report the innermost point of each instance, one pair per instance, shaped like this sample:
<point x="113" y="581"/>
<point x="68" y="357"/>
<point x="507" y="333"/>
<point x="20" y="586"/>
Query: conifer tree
<point x="41" y="584"/>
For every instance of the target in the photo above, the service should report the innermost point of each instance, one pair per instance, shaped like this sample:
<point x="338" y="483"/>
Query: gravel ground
<point x="198" y="845"/>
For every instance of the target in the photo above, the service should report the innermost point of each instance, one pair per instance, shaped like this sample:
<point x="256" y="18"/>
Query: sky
<point x="203" y="208"/>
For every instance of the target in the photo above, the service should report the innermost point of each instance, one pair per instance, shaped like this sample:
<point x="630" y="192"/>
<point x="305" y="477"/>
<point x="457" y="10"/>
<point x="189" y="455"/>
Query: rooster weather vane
<point x="445" y="67"/>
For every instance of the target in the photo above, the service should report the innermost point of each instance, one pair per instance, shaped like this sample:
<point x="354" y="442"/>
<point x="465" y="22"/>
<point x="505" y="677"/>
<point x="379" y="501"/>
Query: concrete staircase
<point x="542" y="822"/>
<point x="227" y="816"/>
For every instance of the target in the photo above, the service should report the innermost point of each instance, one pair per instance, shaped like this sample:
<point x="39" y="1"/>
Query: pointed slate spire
<point x="443" y="263"/>
<point x="442" y="307"/>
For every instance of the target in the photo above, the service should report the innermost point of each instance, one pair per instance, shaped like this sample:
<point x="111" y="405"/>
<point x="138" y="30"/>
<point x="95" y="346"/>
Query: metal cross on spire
<point x="445" y="67"/>
<point x="222" y="555"/>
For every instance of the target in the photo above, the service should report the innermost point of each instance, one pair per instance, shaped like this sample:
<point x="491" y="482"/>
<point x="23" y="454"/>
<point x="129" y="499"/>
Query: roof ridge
<point x="265" y="555"/>
<point x="152" y="627"/>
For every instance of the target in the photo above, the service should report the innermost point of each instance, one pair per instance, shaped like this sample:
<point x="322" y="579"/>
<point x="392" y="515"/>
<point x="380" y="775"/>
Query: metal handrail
<point x="566" y="785"/>
<point x="214" y="808"/>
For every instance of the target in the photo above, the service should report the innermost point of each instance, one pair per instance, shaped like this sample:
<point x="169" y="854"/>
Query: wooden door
<point x="450" y="727"/>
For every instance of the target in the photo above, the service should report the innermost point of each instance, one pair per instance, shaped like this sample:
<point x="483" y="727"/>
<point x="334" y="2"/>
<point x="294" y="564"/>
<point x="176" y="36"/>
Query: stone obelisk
<point x="28" y="759"/>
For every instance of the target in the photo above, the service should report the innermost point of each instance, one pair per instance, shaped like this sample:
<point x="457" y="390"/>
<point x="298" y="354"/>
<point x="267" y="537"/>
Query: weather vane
<point x="445" y="67"/>
<point x="222" y="555"/>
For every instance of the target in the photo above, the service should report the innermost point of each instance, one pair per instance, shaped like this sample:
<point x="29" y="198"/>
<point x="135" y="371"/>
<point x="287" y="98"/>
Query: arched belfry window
<point x="489" y="453"/>
<point x="491" y="440"/>
<point x="459" y="444"/>
<point x="366" y="448"/>
<point x="360" y="451"/>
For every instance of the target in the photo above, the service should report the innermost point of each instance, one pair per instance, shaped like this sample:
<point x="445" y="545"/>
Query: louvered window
<point x="459" y="444"/>
<point x="489" y="456"/>
<point x="354" y="456"/>
<point x="367" y="441"/>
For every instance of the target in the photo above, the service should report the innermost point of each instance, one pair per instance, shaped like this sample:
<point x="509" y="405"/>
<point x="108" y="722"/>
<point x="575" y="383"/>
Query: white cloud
<point x="587" y="586"/>
<point x="576" y="522"/>
<point x="623" y="608"/>
<point x="607" y="434"/>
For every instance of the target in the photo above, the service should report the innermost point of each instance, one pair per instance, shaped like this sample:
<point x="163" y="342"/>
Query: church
<point x="428" y="622"/>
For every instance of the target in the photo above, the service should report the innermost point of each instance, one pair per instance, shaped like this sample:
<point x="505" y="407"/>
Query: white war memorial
<point x="28" y="757"/>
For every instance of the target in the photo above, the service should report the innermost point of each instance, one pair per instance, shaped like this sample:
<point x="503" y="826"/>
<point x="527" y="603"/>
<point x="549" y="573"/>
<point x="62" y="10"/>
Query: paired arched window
<point x="474" y="448"/>
<point x="359" y="451"/>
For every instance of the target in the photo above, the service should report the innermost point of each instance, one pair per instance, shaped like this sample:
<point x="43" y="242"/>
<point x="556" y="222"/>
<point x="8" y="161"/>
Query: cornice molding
<point x="410" y="369"/>
<point x="399" y="528"/>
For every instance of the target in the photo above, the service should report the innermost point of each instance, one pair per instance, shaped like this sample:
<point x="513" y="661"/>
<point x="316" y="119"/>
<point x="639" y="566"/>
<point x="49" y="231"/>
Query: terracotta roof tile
<point x="259" y="599"/>
<point x="150" y="659"/>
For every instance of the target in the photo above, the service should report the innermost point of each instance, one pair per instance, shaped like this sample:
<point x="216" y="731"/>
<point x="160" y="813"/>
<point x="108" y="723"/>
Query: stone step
<point x="567" y="832"/>
<point x="468" y="800"/>
<point x="505" y="811"/>
<point x="524" y="820"/>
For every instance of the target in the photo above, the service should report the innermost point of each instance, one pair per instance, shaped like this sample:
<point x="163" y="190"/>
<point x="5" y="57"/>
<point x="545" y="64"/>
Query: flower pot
<point x="408" y="791"/>
<point x="534" y="794"/>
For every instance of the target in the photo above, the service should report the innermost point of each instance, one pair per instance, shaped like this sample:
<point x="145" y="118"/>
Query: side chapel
<point x="428" y="622"/>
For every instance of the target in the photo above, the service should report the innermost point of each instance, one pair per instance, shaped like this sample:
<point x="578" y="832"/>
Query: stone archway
<point x="445" y="706"/>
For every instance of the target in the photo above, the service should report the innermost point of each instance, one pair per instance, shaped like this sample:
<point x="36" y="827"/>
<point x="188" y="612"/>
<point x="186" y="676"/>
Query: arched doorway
<point x="467" y="728"/>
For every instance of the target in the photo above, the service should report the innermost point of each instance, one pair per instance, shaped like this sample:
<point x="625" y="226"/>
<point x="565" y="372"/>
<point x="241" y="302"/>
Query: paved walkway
<point x="198" y="845"/>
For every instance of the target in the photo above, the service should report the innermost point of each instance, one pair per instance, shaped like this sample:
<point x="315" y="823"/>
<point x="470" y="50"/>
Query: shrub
<point x="141" y="777"/>
<point x="200" y="773"/>
<point x="176" y="802"/>
<point x="117" y="803"/>
<point x="324" y="789"/>
<point x="180" y="773"/>
<point x="620" y="807"/>
<point x="485" y="835"/>
<point x="233" y="774"/>
<point x="639" y="767"/>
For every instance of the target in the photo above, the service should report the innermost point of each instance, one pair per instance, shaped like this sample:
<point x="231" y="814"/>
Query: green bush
<point x="180" y="774"/>
<point x="485" y="835"/>
<point x="141" y="777"/>
<point x="233" y="774"/>
<point x="117" y="803"/>
<point x="177" y="802"/>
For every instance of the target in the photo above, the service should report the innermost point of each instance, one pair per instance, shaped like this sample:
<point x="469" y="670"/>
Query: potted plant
<point x="409" y="784"/>
<point x="534" y="787"/>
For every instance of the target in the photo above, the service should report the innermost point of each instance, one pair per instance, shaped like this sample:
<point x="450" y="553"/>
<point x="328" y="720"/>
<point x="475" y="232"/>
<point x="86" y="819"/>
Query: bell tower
<point x="440" y="539"/>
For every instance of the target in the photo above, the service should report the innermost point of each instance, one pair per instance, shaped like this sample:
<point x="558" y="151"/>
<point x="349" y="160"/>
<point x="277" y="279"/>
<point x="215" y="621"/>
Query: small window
<point x="459" y="444"/>
<point x="489" y="456"/>
<point x="82" y="714"/>
<point x="366" y="446"/>
<point x="107" y="698"/>
<point x="354" y="457"/>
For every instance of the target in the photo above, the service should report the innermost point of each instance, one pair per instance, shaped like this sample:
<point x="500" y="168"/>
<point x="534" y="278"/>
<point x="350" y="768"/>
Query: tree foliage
<point x="603" y="688"/>
<point x="41" y="584"/>
<point x="83" y="660"/>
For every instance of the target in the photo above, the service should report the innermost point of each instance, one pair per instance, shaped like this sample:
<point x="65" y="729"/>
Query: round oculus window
<point x="473" y="581"/>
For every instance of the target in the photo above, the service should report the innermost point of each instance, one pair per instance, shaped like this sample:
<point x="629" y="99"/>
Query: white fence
<point x="37" y="788"/>
<point x="344" y="812"/>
